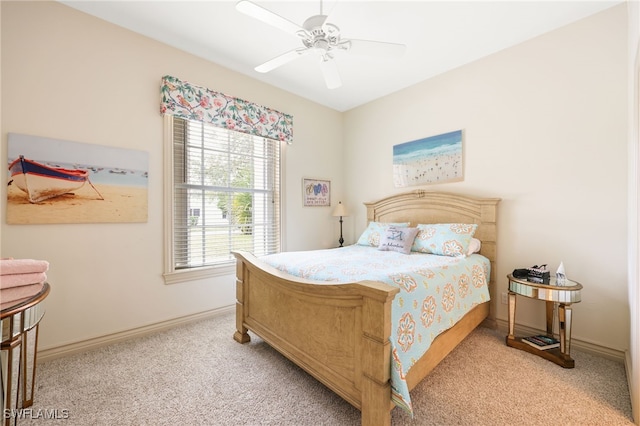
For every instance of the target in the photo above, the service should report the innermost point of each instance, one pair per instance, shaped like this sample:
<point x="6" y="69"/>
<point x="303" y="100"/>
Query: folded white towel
<point x="15" y="280"/>
<point x="22" y="266"/>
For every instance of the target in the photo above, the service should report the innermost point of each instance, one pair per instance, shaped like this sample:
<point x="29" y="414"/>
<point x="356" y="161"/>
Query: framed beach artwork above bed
<point x="434" y="159"/>
<point x="57" y="181"/>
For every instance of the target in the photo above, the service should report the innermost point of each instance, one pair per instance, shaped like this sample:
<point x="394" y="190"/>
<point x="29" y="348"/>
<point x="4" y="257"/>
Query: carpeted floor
<point x="198" y="375"/>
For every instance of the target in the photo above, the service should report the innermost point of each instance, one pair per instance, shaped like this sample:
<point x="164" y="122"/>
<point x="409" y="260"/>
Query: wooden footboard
<point x="337" y="333"/>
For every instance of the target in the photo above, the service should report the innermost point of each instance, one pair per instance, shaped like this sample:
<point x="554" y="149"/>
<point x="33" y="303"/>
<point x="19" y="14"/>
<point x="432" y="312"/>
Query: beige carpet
<point x="198" y="375"/>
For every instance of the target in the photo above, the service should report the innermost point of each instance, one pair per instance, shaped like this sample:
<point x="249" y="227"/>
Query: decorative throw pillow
<point x="371" y="236"/>
<point x="445" y="239"/>
<point x="398" y="239"/>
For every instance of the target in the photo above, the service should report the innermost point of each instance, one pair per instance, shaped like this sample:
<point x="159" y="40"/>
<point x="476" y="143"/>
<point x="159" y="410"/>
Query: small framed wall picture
<point x="316" y="192"/>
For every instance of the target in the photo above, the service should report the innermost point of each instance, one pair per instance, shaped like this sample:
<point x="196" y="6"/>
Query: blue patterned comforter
<point x="435" y="293"/>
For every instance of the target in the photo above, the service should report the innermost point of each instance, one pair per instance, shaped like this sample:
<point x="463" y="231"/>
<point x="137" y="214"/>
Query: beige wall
<point x="544" y="125"/>
<point x="67" y="75"/>
<point x="544" y="129"/>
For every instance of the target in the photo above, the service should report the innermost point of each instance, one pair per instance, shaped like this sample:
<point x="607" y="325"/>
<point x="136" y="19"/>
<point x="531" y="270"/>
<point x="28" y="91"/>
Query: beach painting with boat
<point x="57" y="181"/>
<point x="435" y="159"/>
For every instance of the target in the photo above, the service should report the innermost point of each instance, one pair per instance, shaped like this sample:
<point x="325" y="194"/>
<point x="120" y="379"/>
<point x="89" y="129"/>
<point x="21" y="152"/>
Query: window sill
<point x="185" y="275"/>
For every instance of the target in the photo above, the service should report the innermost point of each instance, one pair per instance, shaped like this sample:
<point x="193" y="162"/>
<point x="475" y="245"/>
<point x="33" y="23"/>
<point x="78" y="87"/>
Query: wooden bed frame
<point x="340" y="333"/>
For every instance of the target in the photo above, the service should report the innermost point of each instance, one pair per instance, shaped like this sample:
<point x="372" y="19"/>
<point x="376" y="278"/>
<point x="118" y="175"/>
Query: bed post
<point x="241" y="335"/>
<point x="376" y="361"/>
<point x="488" y="230"/>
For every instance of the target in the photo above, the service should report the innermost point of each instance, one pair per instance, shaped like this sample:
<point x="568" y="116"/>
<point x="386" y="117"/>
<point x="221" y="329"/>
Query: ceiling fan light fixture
<point x="318" y="37"/>
<point x="321" y="44"/>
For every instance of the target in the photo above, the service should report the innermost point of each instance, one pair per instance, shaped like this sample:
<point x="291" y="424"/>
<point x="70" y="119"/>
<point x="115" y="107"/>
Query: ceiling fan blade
<point x="330" y="73"/>
<point x="281" y="60"/>
<point x="268" y="17"/>
<point x="376" y="48"/>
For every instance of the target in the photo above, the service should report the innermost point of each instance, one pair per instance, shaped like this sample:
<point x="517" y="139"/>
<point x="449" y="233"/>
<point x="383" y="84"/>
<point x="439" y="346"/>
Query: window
<point x="225" y="195"/>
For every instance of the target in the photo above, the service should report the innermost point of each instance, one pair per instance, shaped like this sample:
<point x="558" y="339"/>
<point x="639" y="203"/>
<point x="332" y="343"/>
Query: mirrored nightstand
<point x="554" y="295"/>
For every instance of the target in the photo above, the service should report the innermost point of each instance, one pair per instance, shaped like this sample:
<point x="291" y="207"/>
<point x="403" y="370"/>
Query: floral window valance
<point x="192" y="102"/>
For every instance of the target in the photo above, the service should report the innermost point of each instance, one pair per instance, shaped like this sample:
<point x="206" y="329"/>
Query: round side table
<point x="553" y="294"/>
<point x="19" y="324"/>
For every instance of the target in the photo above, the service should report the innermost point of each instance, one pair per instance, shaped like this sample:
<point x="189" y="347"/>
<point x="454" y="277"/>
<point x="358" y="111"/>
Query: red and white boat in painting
<point x="42" y="182"/>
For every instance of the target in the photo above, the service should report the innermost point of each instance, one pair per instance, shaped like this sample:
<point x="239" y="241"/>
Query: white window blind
<point x="226" y="194"/>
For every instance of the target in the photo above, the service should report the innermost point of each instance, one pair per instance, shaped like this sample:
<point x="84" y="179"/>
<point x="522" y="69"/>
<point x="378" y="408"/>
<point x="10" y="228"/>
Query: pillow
<point x="398" y="239"/>
<point x="371" y="235"/>
<point x="445" y="239"/>
<point x="474" y="246"/>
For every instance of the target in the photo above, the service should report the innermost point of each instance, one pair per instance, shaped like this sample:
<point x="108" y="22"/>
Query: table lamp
<point x="340" y="211"/>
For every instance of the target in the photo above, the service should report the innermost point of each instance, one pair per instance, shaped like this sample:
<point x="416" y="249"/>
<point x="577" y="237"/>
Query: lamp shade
<point x="340" y="210"/>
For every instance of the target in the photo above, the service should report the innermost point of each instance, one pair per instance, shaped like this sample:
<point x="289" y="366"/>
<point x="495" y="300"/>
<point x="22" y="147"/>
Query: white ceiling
<point x="440" y="36"/>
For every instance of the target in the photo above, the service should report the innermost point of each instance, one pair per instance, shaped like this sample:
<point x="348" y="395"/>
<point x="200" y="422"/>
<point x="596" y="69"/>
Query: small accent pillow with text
<point x="372" y="235"/>
<point x="445" y="239"/>
<point x="398" y="239"/>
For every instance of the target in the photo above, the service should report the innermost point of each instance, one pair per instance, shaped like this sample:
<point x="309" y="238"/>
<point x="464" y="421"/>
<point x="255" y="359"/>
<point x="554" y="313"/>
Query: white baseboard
<point x="85" y="345"/>
<point x="592" y="348"/>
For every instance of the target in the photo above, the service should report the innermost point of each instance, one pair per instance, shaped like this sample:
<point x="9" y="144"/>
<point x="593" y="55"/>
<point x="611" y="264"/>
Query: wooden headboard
<point x="443" y="207"/>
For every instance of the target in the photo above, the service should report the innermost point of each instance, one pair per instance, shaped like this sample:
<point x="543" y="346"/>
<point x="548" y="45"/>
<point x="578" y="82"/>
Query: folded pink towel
<point x="15" y="280"/>
<point x="22" y="266"/>
<point x="6" y="305"/>
<point x="12" y="294"/>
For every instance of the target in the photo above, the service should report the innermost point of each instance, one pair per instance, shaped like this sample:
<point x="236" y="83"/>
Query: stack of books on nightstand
<point x="542" y="341"/>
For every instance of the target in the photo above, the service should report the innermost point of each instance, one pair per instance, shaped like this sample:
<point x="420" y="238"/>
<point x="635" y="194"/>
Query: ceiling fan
<point x="319" y="38"/>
